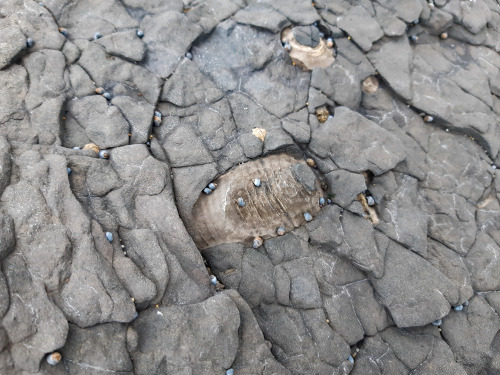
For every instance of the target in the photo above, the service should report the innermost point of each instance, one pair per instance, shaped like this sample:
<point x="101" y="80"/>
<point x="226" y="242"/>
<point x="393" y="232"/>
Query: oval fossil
<point x="288" y="188"/>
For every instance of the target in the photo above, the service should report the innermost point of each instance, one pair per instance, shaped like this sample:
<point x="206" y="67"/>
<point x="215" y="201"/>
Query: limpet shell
<point x="280" y="201"/>
<point x="308" y="57"/>
<point x="370" y="85"/>
<point x="259" y="133"/>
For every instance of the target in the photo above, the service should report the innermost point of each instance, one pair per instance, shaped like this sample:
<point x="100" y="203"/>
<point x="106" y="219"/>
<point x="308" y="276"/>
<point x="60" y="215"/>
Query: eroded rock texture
<point x="398" y="271"/>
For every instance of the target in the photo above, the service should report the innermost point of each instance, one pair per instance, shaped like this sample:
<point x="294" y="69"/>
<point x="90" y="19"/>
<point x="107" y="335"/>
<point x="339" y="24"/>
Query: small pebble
<point x="437" y="322"/>
<point x="493" y="166"/>
<point x="280" y="231"/>
<point x="241" y="202"/>
<point x="97" y="35"/>
<point x="458" y="308"/>
<point x="431" y="5"/>
<point x="230" y="372"/>
<point x="207" y="191"/>
<point x="107" y="95"/>
<point x="29" y="42"/>
<point x="99" y="91"/>
<point x="212" y="186"/>
<point x="69" y="170"/>
<point x="428" y="118"/>
<point x="329" y="43"/>
<point x="63" y="31"/>
<point x="109" y="236"/>
<point x="256" y="182"/>
<point x="257" y="242"/>
<point x="157" y="121"/>
<point x="213" y="280"/>
<point x="308" y="216"/>
<point x="189" y="56"/>
<point x="54" y="358"/>
<point x="140" y="33"/>
<point x="416" y="22"/>
<point x="350" y="359"/>
<point x="444" y="36"/>
<point x="76" y="148"/>
<point x="322" y="201"/>
<point x="104" y="154"/>
<point x="370" y="200"/>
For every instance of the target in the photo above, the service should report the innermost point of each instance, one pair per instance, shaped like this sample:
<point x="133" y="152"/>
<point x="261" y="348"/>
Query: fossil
<point x="288" y="189"/>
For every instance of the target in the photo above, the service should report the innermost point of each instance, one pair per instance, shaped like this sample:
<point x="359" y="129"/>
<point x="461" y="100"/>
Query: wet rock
<point x="482" y="264"/>
<point x="345" y="186"/>
<point x="80" y="81"/>
<point x="408" y="11"/>
<point x="188" y="86"/>
<point x="124" y="44"/>
<point x="102" y="348"/>
<point x="359" y="245"/>
<point x="359" y="24"/>
<point x="5" y="164"/>
<point x="344" y="139"/>
<point x="104" y="124"/>
<point x="296" y="125"/>
<point x="211" y="12"/>
<point x="153" y="6"/>
<point x="256" y="284"/>
<point x="306" y="35"/>
<point x="303" y="288"/>
<point x="390" y="24"/>
<point x="402" y="217"/>
<point x="438" y="21"/>
<point x="450" y="220"/>
<point x="138" y="116"/>
<point x="13" y="42"/>
<point x="376" y="348"/>
<point x="414" y="292"/>
<point x="7" y="235"/>
<point x="164" y="52"/>
<point x="470" y="334"/>
<point x="263" y="16"/>
<point x="162" y="337"/>
<point x="392" y="59"/>
<point x="184" y="148"/>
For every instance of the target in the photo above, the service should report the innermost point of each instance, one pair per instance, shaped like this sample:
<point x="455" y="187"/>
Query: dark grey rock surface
<point x="398" y="273"/>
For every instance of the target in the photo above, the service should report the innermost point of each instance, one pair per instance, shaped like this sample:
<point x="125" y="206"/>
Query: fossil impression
<point x="239" y="209"/>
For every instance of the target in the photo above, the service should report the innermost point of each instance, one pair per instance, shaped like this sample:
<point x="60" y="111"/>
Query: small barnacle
<point x="437" y="322"/>
<point x="30" y="43"/>
<point x="109" y="236"/>
<point x="97" y="35"/>
<point x="259" y="133"/>
<point x="428" y="118"/>
<point x="104" y="154"/>
<point x="63" y="31"/>
<point x="68" y="169"/>
<point x="329" y="42"/>
<point x="241" y="202"/>
<point x="458" y="308"/>
<point x="257" y="242"/>
<point x="207" y="191"/>
<point x="157" y="121"/>
<point x="99" y="91"/>
<point x="91" y="146"/>
<point x="308" y="216"/>
<point x="54" y="358"/>
<point x="444" y="35"/>
<point x="256" y="182"/>
<point x="212" y="186"/>
<point x="370" y="200"/>
<point x="213" y="279"/>
<point x="310" y="162"/>
<point x="107" y="95"/>
<point x="322" y="114"/>
<point x="370" y="85"/>
<point x="139" y="33"/>
<point x="280" y="231"/>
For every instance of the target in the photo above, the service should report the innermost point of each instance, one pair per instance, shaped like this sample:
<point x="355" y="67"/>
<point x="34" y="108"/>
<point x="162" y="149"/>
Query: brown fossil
<point x="288" y="189"/>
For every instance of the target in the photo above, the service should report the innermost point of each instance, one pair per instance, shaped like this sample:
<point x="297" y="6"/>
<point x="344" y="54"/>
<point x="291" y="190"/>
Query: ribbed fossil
<point x="288" y="189"/>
